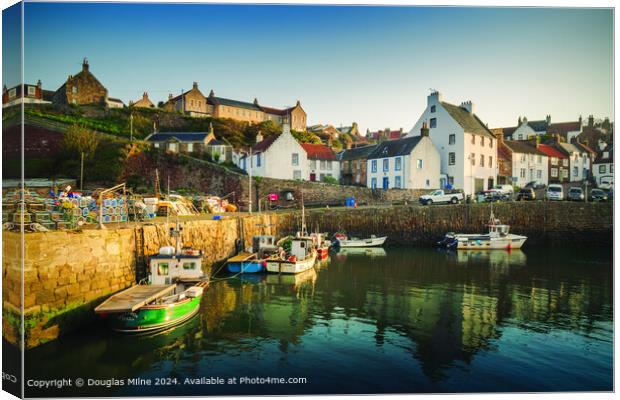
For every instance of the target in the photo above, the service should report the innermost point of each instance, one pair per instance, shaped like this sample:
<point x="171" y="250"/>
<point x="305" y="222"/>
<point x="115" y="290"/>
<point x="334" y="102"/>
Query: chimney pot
<point x="195" y="85"/>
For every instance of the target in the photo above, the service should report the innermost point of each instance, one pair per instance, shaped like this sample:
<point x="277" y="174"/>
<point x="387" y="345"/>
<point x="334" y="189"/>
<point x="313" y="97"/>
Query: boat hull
<point x="322" y="253"/>
<point x="291" y="267"/>
<point x="246" y="267"/>
<point x="371" y="242"/>
<point x="155" y="317"/>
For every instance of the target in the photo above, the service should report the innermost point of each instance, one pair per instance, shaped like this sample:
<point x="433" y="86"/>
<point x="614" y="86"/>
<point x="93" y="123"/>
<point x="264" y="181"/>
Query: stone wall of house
<point x="88" y="89"/>
<point x="67" y="274"/>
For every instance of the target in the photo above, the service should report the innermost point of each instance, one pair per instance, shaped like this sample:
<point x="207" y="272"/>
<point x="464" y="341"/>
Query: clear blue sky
<point x="373" y="65"/>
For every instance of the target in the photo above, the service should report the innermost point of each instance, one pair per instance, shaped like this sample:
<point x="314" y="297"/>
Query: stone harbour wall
<point x="67" y="274"/>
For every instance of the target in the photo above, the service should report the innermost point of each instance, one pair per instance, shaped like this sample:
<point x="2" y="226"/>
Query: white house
<point x="278" y="156"/>
<point x="408" y="163"/>
<point x="467" y="148"/>
<point x="525" y="129"/>
<point x="528" y="162"/>
<point x="603" y="166"/>
<point x="322" y="162"/>
<point x="579" y="161"/>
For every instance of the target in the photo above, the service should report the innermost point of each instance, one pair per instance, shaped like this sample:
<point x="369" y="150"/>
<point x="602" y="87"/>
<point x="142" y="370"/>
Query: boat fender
<point x="292" y="258"/>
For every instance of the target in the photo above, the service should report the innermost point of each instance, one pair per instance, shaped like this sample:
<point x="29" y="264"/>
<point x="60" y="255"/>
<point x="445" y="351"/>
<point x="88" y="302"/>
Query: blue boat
<point x="252" y="261"/>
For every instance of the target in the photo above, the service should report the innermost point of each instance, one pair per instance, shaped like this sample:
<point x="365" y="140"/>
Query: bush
<point x="330" y="180"/>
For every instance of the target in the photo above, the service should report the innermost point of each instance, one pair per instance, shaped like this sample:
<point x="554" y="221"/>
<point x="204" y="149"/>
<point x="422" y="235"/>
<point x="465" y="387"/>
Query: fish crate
<point x="36" y="207"/>
<point x="17" y="217"/>
<point x="63" y="225"/>
<point x="49" y="225"/>
<point x="42" y="217"/>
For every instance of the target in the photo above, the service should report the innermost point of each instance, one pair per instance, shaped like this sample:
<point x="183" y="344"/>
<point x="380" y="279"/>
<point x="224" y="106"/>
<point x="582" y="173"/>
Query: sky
<point x="372" y="65"/>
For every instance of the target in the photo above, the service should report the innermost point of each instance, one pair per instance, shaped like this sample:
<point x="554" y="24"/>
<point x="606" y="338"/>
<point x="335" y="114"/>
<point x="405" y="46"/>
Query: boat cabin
<point x="498" y="230"/>
<point x="170" y="266"/>
<point x="264" y="245"/>
<point x="301" y="247"/>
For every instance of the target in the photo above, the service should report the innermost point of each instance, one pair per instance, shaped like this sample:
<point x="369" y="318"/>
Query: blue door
<point x="386" y="182"/>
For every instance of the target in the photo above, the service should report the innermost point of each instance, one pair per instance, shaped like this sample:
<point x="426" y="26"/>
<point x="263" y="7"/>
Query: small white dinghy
<point x="343" y="241"/>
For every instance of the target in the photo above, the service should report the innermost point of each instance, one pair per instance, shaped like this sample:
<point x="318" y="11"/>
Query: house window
<point x="522" y="173"/>
<point x="472" y="158"/>
<point x="329" y="165"/>
<point x="75" y="89"/>
<point x="386" y="164"/>
<point x="585" y="173"/>
<point x="554" y="172"/>
<point x="12" y="93"/>
<point x="373" y="166"/>
<point x="520" y="137"/>
<point x="398" y="163"/>
<point x="190" y="147"/>
<point x="481" y="140"/>
<point x="173" y="147"/>
<point x="313" y="164"/>
<point x="419" y="163"/>
<point x="156" y="145"/>
<point x="491" y="143"/>
<point x="373" y="183"/>
<point x="295" y="159"/>
<point x="611" y="169"/>
<point x="259" y="160"/>
<point x="433" y="122"/>
<point x="523" y="158"/>
<point x="32" y="90"/>
<point x="322" y="164"/>
<point x="554" y="161"/>
<point x="162" y="269"/>
<point x="575" y="171"/>
<point x="564" y="174"/>
<point x="244" y="164"/>
<point x="539" y="160"/>
<point x="428" y="182"/>
<point x="297" y="175"/>
<point x="473" y="139"/>
<point x="490" y="162"/>
<point x="605" y="154"/>
<point x="451" y="158"/>
<point x="565" y="162"/>
<point x="482" y="160"/>
<point x="433" y="108"/>
<point x="398" y="182"/>
<point x="189" y="266"/>
<point x="538" y="174"/>
<point x="452" y="139"/>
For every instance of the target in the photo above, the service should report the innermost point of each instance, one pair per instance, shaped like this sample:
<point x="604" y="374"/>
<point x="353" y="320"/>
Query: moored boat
<point x="343" y="241"/>
<point x="300" y="258"/>
<point x="172" y="296"/>
<point x="498" y="238"/>
<point x="254" y="261"/>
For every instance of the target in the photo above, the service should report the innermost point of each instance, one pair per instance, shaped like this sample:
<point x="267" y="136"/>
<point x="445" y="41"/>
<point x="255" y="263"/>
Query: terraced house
<point x="468" y="149"/>
<point x="322" y="162"/>
<point x="528" y="162"/>
<point x="408" y="163"/>
<point x="194" y="103"/>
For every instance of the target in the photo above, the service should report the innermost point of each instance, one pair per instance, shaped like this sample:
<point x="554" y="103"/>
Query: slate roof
<point x="357" y="153"/>
<point x="564" y="127"/>
<point x="468" y="121"/>
<point x="393" y="148"/>
<point x="569" y="148"/>
<point x="265" y="143"/>
<point x="181" y="136"/>
<point x="538" y="126"/>
<point x="232" y="103"/>
<point x="605" y="160"/>
<point x="115" y="100"/>
<point x="523" y="146"/>
<point x="583" y="147"/>
<point x="551" y="151"/>
<point x="276" y="111"/>
<point x="319" y="152"/>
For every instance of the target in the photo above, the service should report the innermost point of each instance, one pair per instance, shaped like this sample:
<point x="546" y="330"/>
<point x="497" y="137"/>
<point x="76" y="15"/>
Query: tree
<point x="81" y="142"/>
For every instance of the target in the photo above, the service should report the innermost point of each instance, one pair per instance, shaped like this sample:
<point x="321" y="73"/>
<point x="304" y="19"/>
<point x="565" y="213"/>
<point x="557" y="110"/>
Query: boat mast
<point x="303" y="216"/>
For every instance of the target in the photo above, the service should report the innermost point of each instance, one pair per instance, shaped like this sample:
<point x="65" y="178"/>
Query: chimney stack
<point x="211" y="93"/>
<point x="591" y="121"/>
<point x="195" y="85"/>
<point x="85" y="64"/>
<point x="535" y="140"/>
<point x="39" y="83"/>
<point x="548" y="119"/>
<point x="169" y="96"/>
<point x="424" y="131"/>
<point x="469" y="106"/>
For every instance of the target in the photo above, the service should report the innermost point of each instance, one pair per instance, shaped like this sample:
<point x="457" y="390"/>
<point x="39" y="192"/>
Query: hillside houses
<point x="603" y="166"/>
<point x="33" y="94"/>
<point x="353" y="163"/>
<point x="526" y="128"/>
<point x="467" y="148"/>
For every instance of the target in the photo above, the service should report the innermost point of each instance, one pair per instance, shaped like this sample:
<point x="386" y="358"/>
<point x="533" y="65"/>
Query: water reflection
<point x="415" y="319"/>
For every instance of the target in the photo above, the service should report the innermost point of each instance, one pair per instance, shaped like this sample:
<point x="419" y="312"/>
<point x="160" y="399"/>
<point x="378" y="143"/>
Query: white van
<point x="555" y="192"/>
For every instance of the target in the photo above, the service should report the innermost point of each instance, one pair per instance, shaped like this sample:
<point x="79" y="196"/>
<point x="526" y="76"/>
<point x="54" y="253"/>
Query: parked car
<point x="526" y="194"/>
<point x="606" y="183"/>
<point x="535" y="185"/>
<point x="505" y="189"/>
<point x="555" y="192"/>
<point x="442" y="196"/>
<point x="576" y="194"/>
<point x="598" y="195"/>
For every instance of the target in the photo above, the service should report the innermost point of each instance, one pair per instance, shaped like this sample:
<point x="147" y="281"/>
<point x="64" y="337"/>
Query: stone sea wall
<point x="67" y="274"/>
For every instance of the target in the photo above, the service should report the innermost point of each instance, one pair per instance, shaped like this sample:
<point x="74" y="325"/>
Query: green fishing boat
<point x="171" y="296"/>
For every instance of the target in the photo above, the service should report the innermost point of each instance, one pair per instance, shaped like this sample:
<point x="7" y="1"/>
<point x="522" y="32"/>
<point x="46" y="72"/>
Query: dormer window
<point x="605" y="154"/>
<point x="433" y="108"/>
<point x="32" y="90"/>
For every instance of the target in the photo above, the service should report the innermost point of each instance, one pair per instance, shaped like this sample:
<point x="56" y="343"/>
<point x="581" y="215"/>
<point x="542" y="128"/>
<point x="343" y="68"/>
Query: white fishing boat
<point x="498" y="238"/>
<point x="344" y="241"/>
<point x="300" y="258"/>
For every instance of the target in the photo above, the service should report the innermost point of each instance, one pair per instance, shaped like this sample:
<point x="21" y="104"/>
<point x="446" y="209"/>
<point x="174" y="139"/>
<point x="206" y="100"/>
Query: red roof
<point x="319" y="152"/>
<point x="551" y="151"/>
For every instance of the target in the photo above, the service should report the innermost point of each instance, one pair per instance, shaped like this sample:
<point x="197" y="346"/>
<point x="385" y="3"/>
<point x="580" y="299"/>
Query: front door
<point x="386" y="183"/>
<point x="312" y="177"/>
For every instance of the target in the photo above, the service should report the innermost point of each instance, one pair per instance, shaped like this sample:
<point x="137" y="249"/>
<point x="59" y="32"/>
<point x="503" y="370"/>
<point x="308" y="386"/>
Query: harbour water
<point x="399" y="320"/>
